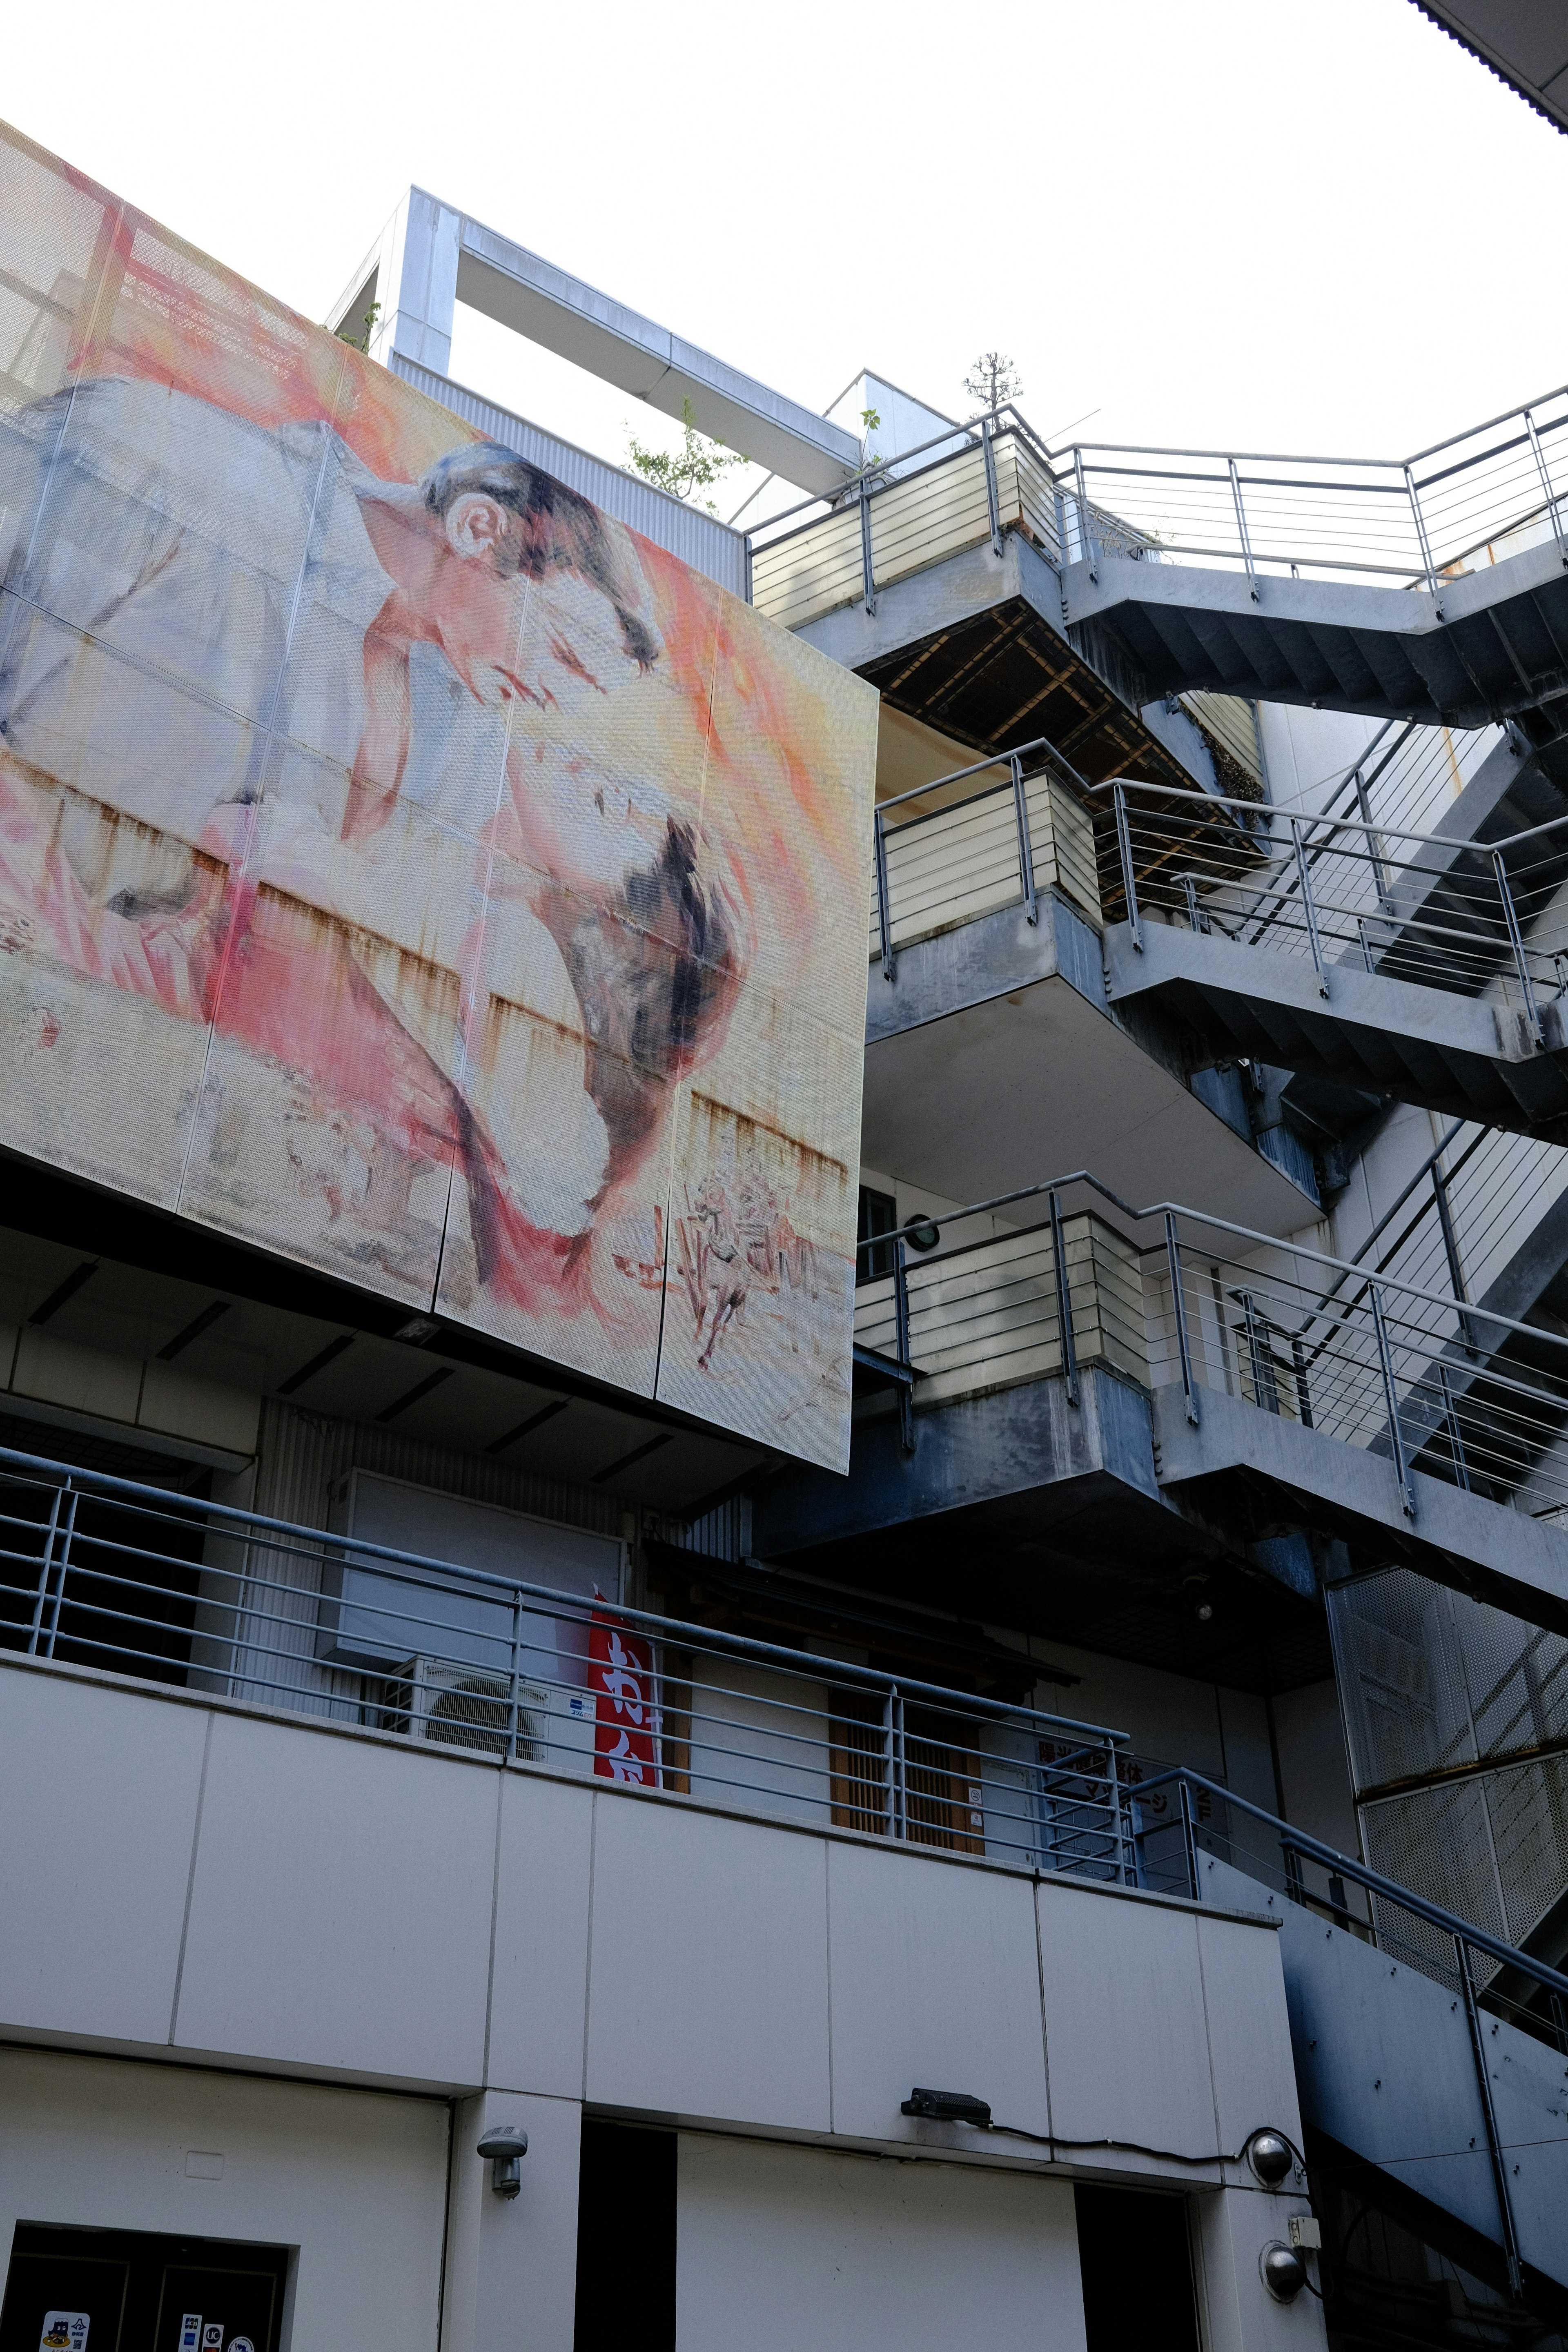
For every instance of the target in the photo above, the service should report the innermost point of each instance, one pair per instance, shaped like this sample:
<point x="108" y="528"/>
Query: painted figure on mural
<point x="322" y="710"/>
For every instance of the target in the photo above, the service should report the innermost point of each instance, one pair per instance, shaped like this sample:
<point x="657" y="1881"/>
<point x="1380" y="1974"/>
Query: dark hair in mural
<point x="555" y="530"/>
<point x="656" y="971"/>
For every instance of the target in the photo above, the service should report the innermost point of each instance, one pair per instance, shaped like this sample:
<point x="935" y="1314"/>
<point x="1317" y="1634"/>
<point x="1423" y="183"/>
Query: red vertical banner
<point x="620" y="1675"/>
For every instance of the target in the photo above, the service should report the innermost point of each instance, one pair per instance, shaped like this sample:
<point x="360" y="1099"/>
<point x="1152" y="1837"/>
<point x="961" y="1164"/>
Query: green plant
<point x="360" y="342"/>
<point x="696" y="466"/>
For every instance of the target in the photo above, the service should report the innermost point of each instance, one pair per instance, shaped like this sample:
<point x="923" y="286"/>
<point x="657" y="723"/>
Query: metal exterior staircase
<point x="1433" y="2052"/>
<point x="1431" y="967"/>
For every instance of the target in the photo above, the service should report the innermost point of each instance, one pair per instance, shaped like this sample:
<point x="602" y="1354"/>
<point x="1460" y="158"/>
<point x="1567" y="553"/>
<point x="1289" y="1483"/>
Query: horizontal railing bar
<point x="1211" y="1224"/>
<point x="571" y="1605"/>
<point x="1199" y="798"/>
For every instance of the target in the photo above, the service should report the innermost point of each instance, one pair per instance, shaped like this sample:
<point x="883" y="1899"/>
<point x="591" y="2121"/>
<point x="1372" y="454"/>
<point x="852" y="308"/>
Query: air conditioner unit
<point x="462" y="1707"/>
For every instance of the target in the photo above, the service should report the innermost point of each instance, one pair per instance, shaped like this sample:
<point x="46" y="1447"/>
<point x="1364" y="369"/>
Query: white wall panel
<point x="340" y="1905"/>
<point x="708" y="1986"/>
<point x="782" y="2247"/>
<point x="936" y="1982"/>
<point x="355" y="2179"/>
<point x="101" y="1790"/>
<point x="539" y="1971"/>
<point x="1248" y="2034"/>
<point x="1126" y="2037"/>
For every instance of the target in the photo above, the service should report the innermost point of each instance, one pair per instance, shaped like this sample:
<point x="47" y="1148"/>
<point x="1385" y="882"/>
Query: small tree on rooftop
<point x="992" y="379"/>
<point x="695" y="466"/>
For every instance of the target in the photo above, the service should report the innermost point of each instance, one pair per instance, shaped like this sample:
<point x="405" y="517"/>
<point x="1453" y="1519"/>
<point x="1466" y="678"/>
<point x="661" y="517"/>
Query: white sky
<point x="1287" y="225"/>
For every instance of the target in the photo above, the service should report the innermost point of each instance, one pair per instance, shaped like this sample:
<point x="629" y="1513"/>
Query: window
<point x="878" y="1214"/>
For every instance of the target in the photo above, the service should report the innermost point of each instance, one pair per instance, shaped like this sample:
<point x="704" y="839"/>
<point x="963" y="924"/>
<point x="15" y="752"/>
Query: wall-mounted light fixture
<point x="505" y="2145"/>
<point x="947" y="2107"/>
<point x="1271" y="2156"/>
<point x="1284" y="2272"/>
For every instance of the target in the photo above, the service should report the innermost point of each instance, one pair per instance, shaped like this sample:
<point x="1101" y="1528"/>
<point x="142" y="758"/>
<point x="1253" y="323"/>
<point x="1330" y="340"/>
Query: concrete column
<point x="1239" y="2314"/>
<point x="416" y="283"/>
<point x="511" y="2264"/>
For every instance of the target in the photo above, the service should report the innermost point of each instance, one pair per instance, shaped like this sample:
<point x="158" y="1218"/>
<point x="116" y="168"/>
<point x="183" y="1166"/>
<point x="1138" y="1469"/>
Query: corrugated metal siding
<point x="985" y="1319"/>
<point x="723" y="1533"/>
<point x="959" y="864"/>
<point x="1233" y="723"/>
<point x="915" y="523"/>
<point x="709" y="545"/>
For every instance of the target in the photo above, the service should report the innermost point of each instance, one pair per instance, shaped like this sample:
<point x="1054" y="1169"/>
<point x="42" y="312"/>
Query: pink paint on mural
<point x="403" y="865"/>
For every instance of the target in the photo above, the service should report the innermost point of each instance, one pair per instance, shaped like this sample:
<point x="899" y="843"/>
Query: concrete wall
<point x="294" y="1898"/>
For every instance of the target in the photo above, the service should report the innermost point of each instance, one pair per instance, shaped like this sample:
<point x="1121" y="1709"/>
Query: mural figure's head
<point x="531" y="594"/>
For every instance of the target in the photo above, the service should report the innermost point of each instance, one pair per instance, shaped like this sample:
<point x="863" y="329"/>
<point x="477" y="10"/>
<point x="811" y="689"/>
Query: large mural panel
<point x="403" y="865"/>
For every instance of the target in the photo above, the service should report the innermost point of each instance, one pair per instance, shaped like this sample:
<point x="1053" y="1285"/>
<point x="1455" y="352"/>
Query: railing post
<point x="1488" y="2118"/>
<point x="884" y="917"/>
<point x="1308" y="908"/>
<point x="1179" y="1309"/>
<point x="516" y="1667"/>
<point x="1552" y="506"/>
<point x="1451" y="1252"/>
<point x="1025" y="846"/>
<point x="1113" y="1800"/>
<point x="1090" y="553"/>
<point x="1428" y="566"/>
<point x="902" y="1335"/>
<point x="1242" y="530"/>
<point x="1456" y="1438"/>
<point x="1295" y="1886"/>
<point x="993" y="502"/>
<point x="1064" y="1300"/>
<point x="1516" y="941"/>
<point x="898" y="1795"/>
<point x="1124" y="849"/>
<point x="867" y="572"/>
<point x="1390" y="1399"/>
<point x="1195" y="918"/>
<point x="1375" y="844"/>
<point x="1260" y="1351"/>
<point x="1061" y="505"/>
<point x="1366" y="955"/>
<point x="63" y="1564"/>
<point x="46" y="1573"/>
<point x="1303" y="1393"/>
<point x="1189" y="1835"/>
<point x="746" y="546"/>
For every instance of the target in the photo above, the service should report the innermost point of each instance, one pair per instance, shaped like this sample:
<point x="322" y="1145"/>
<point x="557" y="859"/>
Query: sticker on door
<point x="64" y="2331"/>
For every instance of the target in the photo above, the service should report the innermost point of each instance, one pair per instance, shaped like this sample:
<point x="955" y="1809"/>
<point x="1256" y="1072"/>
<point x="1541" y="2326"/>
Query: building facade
<point x="723" y="1616"/>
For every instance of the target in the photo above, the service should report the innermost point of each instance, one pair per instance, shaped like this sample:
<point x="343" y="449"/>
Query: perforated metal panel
<point x="1452" y="1713"/>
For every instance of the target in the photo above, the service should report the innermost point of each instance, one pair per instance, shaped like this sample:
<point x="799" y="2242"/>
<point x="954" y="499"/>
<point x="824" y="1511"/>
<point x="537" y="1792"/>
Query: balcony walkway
<point x="1115" y="1401"/>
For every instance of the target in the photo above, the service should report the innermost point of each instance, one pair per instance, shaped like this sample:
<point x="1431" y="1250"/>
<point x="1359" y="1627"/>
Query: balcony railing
<point x="807" y="562"/>
<point x="1166" y="1294"/>
<point x="104" y="1572"/>
<point x="1408" y="522"/>
<point x="1339" y="891"/>
<point x="996" y="835"/>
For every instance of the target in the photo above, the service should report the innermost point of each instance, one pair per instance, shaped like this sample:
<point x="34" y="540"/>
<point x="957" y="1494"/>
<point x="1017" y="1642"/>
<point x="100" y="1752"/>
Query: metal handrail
<point x="422" y="1565"/>
<point x="1345" y="1865"/>
<point x="1297" y="1846"/>
<point x="1065" y="469"/>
